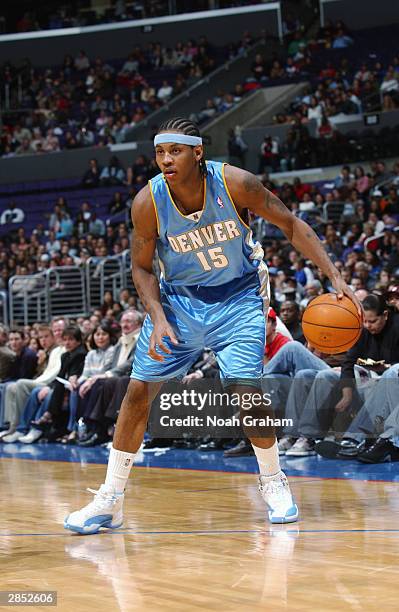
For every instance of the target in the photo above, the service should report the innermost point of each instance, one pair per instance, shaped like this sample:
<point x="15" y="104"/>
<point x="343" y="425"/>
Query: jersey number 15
<point x="214" y="259"/>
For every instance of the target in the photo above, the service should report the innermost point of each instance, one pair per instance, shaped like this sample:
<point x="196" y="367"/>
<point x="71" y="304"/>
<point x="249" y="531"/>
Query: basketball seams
<point x="332" y="304"/>
<point x="330" y="326"/>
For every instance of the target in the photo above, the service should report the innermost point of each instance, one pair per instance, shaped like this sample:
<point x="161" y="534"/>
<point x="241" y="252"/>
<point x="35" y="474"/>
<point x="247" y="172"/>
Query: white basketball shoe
<point x="275" y="490"/>
<point x="104" y="511"/>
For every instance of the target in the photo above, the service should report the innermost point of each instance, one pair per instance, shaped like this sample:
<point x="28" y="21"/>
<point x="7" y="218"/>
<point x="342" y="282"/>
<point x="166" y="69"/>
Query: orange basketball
<point x="331" y="325"/>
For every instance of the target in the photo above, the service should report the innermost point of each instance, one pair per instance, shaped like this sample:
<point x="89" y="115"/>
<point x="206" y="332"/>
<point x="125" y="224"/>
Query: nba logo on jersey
<point x="220" y="202"/>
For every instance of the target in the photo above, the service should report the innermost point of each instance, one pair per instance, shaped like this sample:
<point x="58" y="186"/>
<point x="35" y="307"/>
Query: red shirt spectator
<point x="274" y="339"/>
<point x="275" y="345"/>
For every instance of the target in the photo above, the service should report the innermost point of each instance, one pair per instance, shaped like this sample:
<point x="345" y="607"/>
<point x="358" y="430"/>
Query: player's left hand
<point x="342" y="289"/>
<point x="162" y="330"/>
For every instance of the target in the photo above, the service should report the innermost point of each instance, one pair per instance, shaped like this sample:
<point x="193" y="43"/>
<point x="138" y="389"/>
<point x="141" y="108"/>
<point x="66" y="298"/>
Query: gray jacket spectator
<point x="7" y="357"/>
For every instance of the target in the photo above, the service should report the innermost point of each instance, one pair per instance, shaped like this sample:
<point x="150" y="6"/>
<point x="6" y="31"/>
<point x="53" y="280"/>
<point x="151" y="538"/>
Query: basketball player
<point x="213" y="292"/>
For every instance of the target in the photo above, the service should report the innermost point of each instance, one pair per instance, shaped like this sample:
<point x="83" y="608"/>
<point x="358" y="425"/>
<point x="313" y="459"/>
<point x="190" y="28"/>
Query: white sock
<point x="268" y="460"/>
<point x="119" y="466"/>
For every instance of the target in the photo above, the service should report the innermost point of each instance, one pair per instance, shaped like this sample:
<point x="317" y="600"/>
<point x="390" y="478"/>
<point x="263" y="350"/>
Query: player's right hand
<point x="158" y="345"/>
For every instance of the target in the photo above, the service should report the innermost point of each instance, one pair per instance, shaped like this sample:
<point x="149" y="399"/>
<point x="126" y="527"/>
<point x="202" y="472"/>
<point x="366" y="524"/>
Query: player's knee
<point x="136" y="398"/>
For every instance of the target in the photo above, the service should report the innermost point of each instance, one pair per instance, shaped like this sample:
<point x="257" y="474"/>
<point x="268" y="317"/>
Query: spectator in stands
<point x="345" y="178"/>
<point x="96" y="226"/>
<point x="22" y="363"/>
<point x="165" y="92"/>
<point x="274" y="339"/>
<point x="259" y="68"/>
<point x="289" y="314"/>
<point x="91" y="177"/>
<point x="65" y="227"/>
<point x="17" y="393"/>
<point x="109" y="387"/>
<point x="12" y="214"/>
<point x="51" y="142"/>
<point x="288" y="152"/>
<point x="21" y="133"/>
<point x="236" y="147"/>
<point x="85" y="136"/>
<point x="97" y="361"/>
<point x="25" y="148"/>
<point x="82" y="62"/>
<point x="312" y="290"/>
<point x="124" y="296"/>
<point x="25" y="364"/>
<point x="379" y="340"/>
<point x="361" y="180"/>
<point x="40" y="397"/>
<point x="72" y="362"/>
<point x="269" y="155"/>
<point x="7" y="356"/>
<point x="108" y="302"/>
<point x="342" y="40"/>
<point x="303" y="273"/>
<point x="117" y="204"/>
<point x="139" y="168"/>
<point x="113" y="174"/>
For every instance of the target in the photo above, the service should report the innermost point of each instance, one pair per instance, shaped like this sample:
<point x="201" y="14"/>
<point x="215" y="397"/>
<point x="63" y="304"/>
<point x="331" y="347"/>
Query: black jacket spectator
<point x="91" y="177"/>
<point x="25" y="365"/>
<point x="383" y="346"/>
<point x="71" y="365"/>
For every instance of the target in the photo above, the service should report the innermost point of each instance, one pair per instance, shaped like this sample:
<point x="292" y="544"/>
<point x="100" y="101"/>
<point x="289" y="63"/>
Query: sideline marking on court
<point x="272" y="534"/>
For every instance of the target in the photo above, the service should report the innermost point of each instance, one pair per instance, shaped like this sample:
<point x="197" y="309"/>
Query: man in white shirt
<point x="12" y="214"/>
<point x="165" y="91"/>
<point x="18" y="392"/>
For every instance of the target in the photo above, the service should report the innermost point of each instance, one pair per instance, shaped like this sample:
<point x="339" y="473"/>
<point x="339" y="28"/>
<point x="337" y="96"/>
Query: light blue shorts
<point x="228" y="319"/>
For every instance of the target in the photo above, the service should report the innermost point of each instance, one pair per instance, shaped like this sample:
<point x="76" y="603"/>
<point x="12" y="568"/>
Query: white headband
<point x="191" y="141"/>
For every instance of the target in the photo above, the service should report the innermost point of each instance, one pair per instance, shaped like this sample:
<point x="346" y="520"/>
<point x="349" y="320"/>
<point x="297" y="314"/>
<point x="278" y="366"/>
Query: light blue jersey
<point x="209" y="248"/>
<point x="214" y="286"/>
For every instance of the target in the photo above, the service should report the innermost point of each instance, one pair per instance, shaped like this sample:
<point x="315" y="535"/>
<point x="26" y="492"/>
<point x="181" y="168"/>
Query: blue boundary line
<point x="213" y="471"/>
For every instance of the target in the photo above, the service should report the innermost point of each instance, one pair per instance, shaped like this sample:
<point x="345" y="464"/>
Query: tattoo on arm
<point x="272" y="201"/>
<point x="251" y="183"/>
<point x="138" y="243"/>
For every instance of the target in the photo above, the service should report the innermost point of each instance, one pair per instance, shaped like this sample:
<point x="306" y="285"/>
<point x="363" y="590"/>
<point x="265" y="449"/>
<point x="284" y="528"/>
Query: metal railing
<point x="11" y="94"/>
<point x="4" y="308"/>
<point x="106" y="274"/>
<point x="111" y="275"/>
<point x="27" y="299"/>
<point x="39" y="297"/>
<point x="65" y="290"/>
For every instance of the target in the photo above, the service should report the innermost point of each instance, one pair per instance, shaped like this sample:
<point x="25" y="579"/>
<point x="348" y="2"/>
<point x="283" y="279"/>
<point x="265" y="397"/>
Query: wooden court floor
<point x="197" y="540"/>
